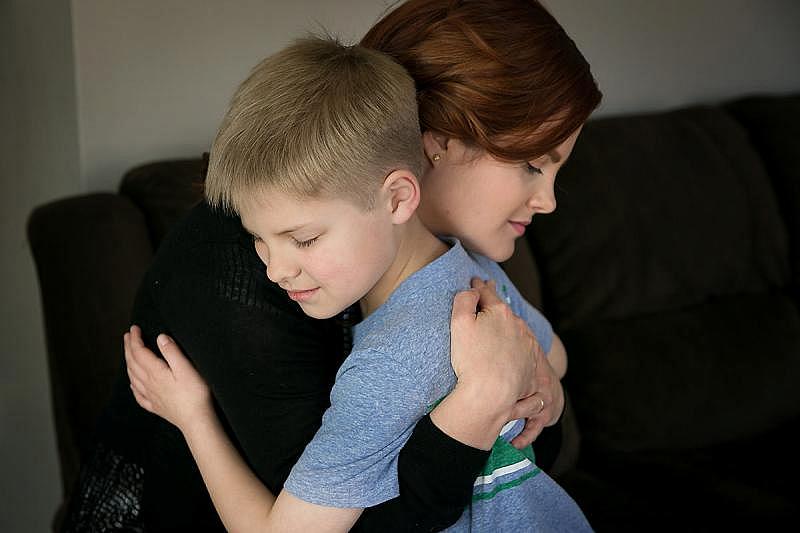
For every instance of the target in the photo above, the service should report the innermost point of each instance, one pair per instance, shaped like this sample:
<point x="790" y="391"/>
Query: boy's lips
<point x="301" y="296"/>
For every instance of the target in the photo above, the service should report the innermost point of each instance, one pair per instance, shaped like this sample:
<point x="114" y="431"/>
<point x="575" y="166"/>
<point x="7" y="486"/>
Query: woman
<point x="472" y="62"/>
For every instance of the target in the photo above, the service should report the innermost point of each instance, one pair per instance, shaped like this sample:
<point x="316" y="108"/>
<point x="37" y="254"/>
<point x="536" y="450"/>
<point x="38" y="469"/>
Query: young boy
<point x="320" y="154"/>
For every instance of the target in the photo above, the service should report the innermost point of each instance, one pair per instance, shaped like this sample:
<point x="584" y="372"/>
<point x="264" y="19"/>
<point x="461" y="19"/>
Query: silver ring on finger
<point x="541" y="407"/>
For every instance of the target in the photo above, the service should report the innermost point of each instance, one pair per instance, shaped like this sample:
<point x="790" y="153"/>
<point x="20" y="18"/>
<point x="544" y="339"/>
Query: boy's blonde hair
<point x="317" y="119"/>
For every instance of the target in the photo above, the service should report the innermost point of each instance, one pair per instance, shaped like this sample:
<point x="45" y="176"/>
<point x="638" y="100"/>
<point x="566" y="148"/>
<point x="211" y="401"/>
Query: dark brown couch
<point x="670" y="269"/>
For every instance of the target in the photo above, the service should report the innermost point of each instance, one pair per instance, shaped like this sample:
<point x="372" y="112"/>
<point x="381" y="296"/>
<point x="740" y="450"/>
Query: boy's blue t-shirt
<point x="398" y="370"/>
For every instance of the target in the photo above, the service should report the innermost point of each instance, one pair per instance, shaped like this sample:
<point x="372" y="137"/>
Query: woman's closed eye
<point x="532" y="169"/>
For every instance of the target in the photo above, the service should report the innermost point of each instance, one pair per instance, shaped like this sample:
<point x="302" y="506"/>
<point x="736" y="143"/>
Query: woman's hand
<point x="491" y="345"/>
<point x="170" y="388"/>
<point x="543" y="408"/>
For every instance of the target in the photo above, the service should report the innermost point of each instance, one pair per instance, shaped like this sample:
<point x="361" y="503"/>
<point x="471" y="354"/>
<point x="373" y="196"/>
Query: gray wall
<point x="38" y="162"/>
<point x="154" y="77"/>
<point x="150" y="79"/>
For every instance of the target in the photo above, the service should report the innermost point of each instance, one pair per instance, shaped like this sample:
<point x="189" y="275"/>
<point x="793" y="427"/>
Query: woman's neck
<point x="418" y="247"/>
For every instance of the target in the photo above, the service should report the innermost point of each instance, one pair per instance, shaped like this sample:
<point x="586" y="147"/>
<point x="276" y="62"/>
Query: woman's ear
<point x="401" y="194"/>
<point x="435" y="145"/>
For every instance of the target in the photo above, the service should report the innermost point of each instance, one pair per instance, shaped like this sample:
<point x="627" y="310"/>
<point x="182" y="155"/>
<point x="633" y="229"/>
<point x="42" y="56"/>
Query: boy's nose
<point x="281" y="270"/>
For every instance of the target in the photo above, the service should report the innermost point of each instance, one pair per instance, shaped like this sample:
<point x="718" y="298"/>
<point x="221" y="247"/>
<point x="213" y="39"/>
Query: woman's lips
<point x="301" y="296"/>
<point x="519" y="227"/>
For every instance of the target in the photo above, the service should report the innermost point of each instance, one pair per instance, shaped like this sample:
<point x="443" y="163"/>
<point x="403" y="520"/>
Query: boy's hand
<point x="170" y="388"/>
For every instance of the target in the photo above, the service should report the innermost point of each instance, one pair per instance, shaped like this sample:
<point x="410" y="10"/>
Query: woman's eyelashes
<point x="532" y="169"/>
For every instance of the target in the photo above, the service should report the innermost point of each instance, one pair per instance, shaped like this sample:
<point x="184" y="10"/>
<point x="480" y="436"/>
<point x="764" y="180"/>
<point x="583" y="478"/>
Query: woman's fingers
<point x="487" y="292"/>
<point x="534" y="409"/>
<point x="533" y="428"/>
<point x="465" y="305"/>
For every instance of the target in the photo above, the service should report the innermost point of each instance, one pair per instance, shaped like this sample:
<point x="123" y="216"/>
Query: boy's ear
<point x="435" y="145"/>
<point x="401" y="194"/>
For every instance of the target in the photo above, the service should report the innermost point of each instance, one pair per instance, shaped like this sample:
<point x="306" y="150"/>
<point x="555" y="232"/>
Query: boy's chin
<point x="320" y="314"/>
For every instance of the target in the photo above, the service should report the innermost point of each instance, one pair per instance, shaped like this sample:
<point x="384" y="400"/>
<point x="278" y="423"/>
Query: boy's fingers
<point x="138" y="386"/>
<point x="136" y="344"/>
<point x="136" y="335"/>
<point x="141" y="400"/>
<point x="142" y="356"/>
<point x="130" y="363"/>
<point x="465" y="304"/>
<point x="172" y="354"/>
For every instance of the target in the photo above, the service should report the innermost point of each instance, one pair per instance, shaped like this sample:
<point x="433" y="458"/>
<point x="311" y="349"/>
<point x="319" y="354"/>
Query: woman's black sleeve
<point x="436" y="475"/>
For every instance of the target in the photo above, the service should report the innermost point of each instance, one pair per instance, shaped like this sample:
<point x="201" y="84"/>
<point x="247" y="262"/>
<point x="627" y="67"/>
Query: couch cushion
<point x="658" y="212"/>
<point x="689" y="378"/>
<point x="746" y="485"/>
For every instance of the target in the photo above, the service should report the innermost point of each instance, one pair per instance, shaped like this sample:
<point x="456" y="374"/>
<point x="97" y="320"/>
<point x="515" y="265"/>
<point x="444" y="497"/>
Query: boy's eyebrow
<point x="284" y="232"/>
<point x="292" y="229"/>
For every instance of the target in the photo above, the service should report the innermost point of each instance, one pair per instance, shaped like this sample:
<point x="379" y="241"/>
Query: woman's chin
<point x="496" y="251"/>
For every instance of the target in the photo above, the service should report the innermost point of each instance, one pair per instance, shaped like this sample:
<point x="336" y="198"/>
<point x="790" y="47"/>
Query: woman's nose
<point x="543" y="201"/>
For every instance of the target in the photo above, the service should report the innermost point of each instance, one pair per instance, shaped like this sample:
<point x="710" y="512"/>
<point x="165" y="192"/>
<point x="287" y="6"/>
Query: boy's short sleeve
<point x="536" y="321"/>
<point x="352" y="460"/>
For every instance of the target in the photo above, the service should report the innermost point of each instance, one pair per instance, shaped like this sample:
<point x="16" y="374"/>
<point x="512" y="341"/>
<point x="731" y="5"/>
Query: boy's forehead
<point x="274" y="213"/>
<point x="277" y="213"/>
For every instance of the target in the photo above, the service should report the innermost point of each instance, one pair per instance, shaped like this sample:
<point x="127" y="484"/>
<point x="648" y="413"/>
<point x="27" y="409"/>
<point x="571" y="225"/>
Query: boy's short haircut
<point x="317" y="119"/>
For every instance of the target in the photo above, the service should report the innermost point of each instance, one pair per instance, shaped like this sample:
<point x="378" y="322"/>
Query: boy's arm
<point x="243" y="502"/>
<point x="175" y="391"/>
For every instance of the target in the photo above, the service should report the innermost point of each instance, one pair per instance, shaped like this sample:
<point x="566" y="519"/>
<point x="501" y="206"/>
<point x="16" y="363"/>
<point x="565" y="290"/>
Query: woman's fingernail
<point x="163" y="340"/>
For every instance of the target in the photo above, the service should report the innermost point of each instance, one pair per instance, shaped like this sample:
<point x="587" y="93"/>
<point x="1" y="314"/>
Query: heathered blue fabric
<point x="398" y="369"/>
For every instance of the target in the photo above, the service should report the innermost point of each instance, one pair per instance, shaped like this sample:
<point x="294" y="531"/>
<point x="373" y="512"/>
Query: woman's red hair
<point x="499" y="74"/>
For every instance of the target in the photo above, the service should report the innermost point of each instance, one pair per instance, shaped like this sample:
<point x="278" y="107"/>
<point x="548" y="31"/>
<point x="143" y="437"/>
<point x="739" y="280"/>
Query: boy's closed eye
<point x="304" y="243"/>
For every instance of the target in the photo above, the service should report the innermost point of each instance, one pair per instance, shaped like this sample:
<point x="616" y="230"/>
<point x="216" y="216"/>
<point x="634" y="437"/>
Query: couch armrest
<point x="90" y="254"/>
<point x="773" y="126"/>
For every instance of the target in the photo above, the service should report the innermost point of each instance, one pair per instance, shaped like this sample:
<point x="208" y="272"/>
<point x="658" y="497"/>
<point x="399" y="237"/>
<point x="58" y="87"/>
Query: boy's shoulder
<point x="418" y="313"/>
